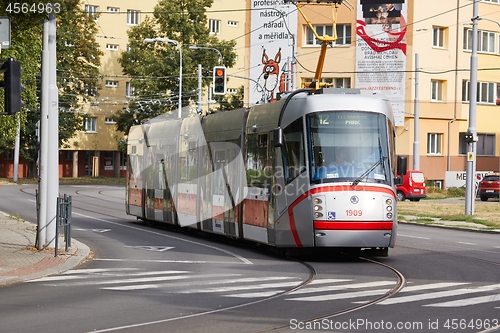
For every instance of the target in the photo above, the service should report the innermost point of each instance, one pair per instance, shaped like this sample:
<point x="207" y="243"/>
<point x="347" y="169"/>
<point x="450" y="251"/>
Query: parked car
<point x="413" y="187"/>
<point x="489" y="186"/>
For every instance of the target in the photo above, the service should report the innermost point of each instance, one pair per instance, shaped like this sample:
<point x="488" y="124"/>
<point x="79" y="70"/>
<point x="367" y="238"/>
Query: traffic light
<point x="12" y="85"/>
<point x="219" y="80"/>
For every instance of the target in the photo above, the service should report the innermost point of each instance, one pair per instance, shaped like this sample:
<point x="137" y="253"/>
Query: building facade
<point x="376" y="49"/>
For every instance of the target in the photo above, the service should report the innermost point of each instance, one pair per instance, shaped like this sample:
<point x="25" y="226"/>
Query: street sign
<point x="5" y="32"/>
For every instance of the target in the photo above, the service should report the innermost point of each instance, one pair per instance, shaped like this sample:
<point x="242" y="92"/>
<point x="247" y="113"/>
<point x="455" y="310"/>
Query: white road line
<point x="98" y="270"/>
<point x="175" y="285"/>
<point x="468" y="301"/>
<point x="401" y="235"/>
<point x="457" y="292"/>
<point x="465" y="243"/>
<point x="238" y="288"/>
<point x="433" y="286"/>
<point x="342" y="287"/>
<point x="169" y="261"/>
<point x="242" y="259"/>
<point x="332" y="297"/>
<point x="94" y="275"/>
<point x="255" y="295"/>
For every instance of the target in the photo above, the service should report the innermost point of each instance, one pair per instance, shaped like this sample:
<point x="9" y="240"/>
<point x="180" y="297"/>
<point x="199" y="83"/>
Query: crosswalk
<point x="440" y="294"/>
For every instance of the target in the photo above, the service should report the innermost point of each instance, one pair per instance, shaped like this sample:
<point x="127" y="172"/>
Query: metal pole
<point x="470" y="193"/>
<point x="53" y="137"/>
<point x="416" y="119"/>
<point x="44" y="143"/>
<point x="16" y="150"/>
<point x="199" y="89"/>
<point x="180" y="80"/>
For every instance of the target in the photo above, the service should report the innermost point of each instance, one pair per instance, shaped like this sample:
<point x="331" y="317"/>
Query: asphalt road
<point x="148" y="279"/>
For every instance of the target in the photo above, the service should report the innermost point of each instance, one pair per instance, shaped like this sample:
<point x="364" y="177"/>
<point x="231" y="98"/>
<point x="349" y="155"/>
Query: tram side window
<point x="258" y="163"/>
<point x="294" y="161"/>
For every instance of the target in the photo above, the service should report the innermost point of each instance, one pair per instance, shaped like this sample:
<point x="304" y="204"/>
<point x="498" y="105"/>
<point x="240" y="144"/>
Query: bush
<point x="456" y="192"/>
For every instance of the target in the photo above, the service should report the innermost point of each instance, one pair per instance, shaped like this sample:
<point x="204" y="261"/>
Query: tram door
<point x="218" y="191"/>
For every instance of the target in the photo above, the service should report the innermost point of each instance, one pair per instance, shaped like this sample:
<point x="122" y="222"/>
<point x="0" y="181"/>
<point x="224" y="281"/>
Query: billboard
<point x="381" y="51"/>
<point x="272" y="40"/>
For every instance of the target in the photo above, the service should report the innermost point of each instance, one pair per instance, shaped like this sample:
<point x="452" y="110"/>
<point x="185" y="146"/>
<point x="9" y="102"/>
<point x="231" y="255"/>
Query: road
<point x="149" y="279"/>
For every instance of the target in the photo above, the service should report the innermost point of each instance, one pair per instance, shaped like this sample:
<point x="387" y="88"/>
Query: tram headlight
<point x="317" y="207"/>
<point x="317" y="201"/>
<point x="388" y="201"/>
<point x="389" y="215"/>
<point x="318" y="214"/>
<point x="389" y="208"/>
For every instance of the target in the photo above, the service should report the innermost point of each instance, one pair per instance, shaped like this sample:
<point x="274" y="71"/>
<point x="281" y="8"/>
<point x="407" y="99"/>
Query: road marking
<point x="96" y="275"/>
<point x="152" y="248"/>
<point x="400" y="235"/>
<point x="308" y="290"/>
<point x="161" y="261"/>
<point x="457" y="292"/>
<point x="244" y="260"/>
<point x="238" y="288"/>
<point x="465" y="243"/>
<point x="468" y="301"/>
<point x="256" y="295"/>
<point x="341" y="296"/>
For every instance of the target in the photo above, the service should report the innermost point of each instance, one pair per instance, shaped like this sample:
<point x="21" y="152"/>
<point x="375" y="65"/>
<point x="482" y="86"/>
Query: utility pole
<point x="471" y="137"/>
<point x="200" y="76"/>
<point x="416" y="116"/>
<point x="49" y="139"/>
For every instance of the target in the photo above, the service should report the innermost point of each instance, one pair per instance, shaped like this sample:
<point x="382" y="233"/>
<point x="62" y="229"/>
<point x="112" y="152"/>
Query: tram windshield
<point x="347" y="146"/>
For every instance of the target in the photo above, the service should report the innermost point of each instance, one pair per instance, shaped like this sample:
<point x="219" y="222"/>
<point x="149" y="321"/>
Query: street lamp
<point x="196" y="47"/>
<point x="176" y="43"/>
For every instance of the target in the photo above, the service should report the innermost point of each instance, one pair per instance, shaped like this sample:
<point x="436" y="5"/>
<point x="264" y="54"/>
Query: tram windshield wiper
<point x="379" y="162"/>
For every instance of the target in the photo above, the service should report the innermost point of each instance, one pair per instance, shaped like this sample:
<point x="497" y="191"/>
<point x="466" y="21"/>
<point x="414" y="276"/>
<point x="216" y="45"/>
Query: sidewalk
<point x="21" y="261"/>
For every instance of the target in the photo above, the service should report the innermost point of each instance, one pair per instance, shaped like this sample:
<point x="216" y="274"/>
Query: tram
<point x="316" y="169"/>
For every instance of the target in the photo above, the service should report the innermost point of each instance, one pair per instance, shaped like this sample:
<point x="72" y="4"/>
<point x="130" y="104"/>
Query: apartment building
<point x="376" y="50"/>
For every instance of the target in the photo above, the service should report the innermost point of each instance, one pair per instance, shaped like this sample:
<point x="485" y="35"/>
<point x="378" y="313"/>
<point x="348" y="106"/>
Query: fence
<point x="63" y="219"/>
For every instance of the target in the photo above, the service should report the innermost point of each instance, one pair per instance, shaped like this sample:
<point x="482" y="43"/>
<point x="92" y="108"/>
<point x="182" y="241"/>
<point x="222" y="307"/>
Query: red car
<point x="489" y="187"/>
<point x="413" y="187"/>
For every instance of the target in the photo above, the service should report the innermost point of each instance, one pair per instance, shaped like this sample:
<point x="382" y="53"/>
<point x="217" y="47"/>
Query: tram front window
<point x="348" y="146"/>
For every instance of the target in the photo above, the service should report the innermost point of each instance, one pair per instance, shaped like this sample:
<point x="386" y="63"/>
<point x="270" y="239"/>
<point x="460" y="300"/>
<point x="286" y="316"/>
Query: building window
<point x="112" y="47"/>
<point x="343" y="34"/>
<point x="434" y="143"/>
<point x="109" y="121"/>
<point x="333" y="82"/>
<point x="232" y="23"/>
<point x="108" y="160"/>
<point x="129" y="90"/>
<point x="437" y="90"/>
<point x="123" y="161"/>
<point x="8" y="155"/>
<point x="492" y="1"/>
<point x="111" y="84"/>
<point x="91" y="125"/>
<point x="485" y="92"/>
<point x="485" y="41"/>
<point x="133" y="17"/>
<point x="92" y="11"/>
<point x="214" y="26"/>
<point x="438" y="36"/>
<point x="113" y="10"/>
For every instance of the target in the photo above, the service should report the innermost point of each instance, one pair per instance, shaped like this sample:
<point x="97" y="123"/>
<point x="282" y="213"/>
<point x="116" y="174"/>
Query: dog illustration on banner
<point x="270" y="77"/>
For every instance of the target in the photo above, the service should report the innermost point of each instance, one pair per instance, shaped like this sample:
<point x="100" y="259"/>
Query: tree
<point x="154" y="67"/>
<point x="233" y="101"/>
<point x="78" y="60"/>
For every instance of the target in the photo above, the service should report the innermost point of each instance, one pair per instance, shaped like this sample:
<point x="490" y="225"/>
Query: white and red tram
<point x="311" y="170"/>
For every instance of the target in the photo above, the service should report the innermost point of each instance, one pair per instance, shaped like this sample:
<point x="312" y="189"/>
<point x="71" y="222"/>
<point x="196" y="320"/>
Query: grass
<point x="486" y="213"/>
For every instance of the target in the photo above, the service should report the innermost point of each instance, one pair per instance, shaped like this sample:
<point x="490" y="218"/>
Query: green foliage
<point x="78" y="60"/>
<point x="456" y="192"/>
<point x="233" y="101"/>
<point x="154" y="67"/>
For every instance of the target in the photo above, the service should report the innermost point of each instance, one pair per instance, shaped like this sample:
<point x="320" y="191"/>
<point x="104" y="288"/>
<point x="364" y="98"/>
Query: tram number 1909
<point x="353" y="212"/>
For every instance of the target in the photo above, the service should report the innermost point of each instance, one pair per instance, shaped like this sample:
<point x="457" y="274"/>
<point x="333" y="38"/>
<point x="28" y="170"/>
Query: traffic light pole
<point x="49" y="148"/>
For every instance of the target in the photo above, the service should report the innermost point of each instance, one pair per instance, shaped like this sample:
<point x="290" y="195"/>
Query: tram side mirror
<point x="401" y="169"/>
<point x="278" y="137"/>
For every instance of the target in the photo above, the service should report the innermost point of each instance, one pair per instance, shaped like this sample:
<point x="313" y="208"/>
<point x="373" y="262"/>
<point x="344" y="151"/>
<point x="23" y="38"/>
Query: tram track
<point x="400" y="283"/>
